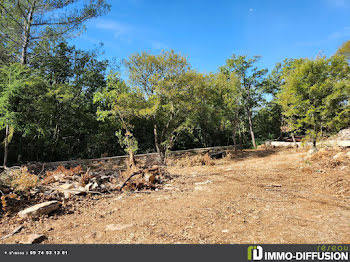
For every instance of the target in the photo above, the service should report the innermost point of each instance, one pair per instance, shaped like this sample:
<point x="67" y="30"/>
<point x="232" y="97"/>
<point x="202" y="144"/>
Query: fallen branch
<point x="139" y="172"/>
<point x="132" y="175"/>
<point x="16" y="230"/>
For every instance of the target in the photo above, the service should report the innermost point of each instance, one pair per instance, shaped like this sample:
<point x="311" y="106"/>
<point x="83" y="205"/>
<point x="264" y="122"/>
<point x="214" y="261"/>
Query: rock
<point x="66" y="186"/>
<point x="88" y="186"/>
<point x="224" y="231"/>
<point x="198" y="188"/>
<point x="217" y="155"/>
<point x="344" y="134"/>
<point x="312" y="151"/>
<point x="347" y="154"/>
<point x="67" y="194"/>
<point x="34" y="239"/>
<point x="117" y="227"/>
<point x="39" y="209"/>
<point x="94" y="186"/>
<point x="339" y="155"/>
<point x="203" y="183"/>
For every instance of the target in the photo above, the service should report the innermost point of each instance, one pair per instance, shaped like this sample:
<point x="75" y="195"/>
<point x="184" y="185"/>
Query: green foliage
<point x="315" y="96"/>
<point x="251" y="80"/>
<point x="127" y="141"/>
<point x="118" y="101"/>
<point x="26" y="25"/>
<point x="344" y="50"/>
<point x="163" y="80"/>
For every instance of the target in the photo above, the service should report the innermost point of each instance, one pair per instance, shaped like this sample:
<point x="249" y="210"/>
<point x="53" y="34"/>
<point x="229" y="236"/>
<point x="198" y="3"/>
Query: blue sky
<point x="209" y="32"/>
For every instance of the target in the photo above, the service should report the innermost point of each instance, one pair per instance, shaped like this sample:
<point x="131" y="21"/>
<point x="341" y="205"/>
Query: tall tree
<point x="251" y="79"/>
<point x="26" y="24"/>
<point x="162" y="79"/>
<point x="315" y="96"/>
<point x="344" y="50"/>
<point x="118" y="101"/>
<point x="22" y="93"/>
<point x="227" y="87"/>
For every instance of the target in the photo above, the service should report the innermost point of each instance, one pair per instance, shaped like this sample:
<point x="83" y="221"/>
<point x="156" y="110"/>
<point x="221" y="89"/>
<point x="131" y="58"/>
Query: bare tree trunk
<point x="293" y="139"/>
<point x="240" y="137"/>
<point x="26" y="35"/>
<point x="132" y="161"/>
<point x="6" y="144"/>
<point x="251" y="128"/>
<point x="234" y="130"/>
<point x="159" y="147"/>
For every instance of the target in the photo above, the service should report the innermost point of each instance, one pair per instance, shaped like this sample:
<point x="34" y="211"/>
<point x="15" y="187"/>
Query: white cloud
<point x="129" y="33"/>
<point x="251" y="9"/>
<point x="158" y="45"/>
<point x="339" y="3"/>
<point x="118" y="29"/>
<point x="343" y="33"/>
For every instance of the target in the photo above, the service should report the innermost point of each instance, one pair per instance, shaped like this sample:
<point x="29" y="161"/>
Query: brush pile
<point x="20" y="187"/>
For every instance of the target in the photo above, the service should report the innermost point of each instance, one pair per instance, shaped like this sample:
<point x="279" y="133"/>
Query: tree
<point x="26" y="24"/>
<point x="117" y="100"/>
<point x="251" y="79"/>
<point x="227" y="87"/>
<point x="21" y="95"/>
<point x="315" y="96"/>
<point x="162" y="80"/>
<point x="344" y="50"/>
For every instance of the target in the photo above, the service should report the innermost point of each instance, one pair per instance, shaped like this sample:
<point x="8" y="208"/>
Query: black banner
<point x="140" y="253"/>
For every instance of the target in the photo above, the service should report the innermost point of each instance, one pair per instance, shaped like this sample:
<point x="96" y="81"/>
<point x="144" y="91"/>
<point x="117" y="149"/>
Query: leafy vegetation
<point x="58" y="102"/>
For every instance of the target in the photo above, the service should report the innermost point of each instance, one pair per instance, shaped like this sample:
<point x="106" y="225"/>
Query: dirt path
<point x="266" y="197"/>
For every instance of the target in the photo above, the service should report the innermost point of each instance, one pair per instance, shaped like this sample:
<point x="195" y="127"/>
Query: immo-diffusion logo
<point x="255" y="253"/>
<point x="332" y="253"/>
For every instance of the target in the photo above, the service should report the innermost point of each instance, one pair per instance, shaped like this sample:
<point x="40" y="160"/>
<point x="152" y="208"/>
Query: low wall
<point x="330" y="143"/>
<point x="120" y="161"/>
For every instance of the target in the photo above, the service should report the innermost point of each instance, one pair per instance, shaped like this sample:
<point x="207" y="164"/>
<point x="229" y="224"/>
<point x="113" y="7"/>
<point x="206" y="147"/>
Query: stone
<point x="94" y="186"/>
<point x="312" y="151"/>
<point x="344" y="134"/>
<point x="39" y="209"/>
<point x="34" y="239"/>
<point x="347" y="154"/>
<point x="67" y="194"/>
<point x="88" y="186"/>
<point x="117" y="227"/>
<point x="66" y="186"/>
<point x="338" y="155"/>
<point x="198" y="188"/>
<point x="202" y="183"/>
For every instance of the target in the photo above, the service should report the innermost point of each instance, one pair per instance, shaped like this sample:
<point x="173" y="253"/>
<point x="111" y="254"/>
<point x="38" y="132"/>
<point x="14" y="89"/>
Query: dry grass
<point x="22" y="180"/>
<point x="85" y="179"/>
<point x="191" y="160"/>
<point x="61" y="170"/>
<point x="327" y="158"/>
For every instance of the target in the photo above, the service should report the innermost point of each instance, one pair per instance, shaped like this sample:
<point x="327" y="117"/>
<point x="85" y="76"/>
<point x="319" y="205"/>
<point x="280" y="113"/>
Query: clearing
<point x="266" y="196"/>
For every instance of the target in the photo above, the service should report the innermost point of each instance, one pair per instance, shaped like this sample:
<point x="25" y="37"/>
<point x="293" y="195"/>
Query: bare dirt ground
<point x="258" y="196"/>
